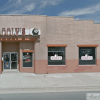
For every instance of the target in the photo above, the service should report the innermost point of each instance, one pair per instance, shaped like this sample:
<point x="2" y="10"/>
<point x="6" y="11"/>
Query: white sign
<point x="93" y="96"/>
<point x="86" y="57"/>
<point x="2" y="58"/>
<point x="19" y="31"/>
<point x="56" y="57"/>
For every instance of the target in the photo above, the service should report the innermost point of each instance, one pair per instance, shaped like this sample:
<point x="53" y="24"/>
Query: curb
<point x="48" y="89"/>
<point x="52" y="88"/>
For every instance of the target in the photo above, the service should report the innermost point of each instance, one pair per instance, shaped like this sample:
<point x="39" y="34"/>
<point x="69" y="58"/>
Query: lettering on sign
<point x="86" y="57"/>
<point x="20" y="31"/>
<point x="13" y="31"/>
<point x="56" y="57"/>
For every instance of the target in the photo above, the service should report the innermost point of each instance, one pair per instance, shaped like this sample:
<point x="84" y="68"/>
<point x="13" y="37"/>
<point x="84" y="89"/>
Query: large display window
<point x="56" y="55"/>
<point x="27" y="59"/>
<point x="87" y="56"/>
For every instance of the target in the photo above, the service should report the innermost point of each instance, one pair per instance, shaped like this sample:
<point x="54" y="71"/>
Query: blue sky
<point x="79" y="9"/>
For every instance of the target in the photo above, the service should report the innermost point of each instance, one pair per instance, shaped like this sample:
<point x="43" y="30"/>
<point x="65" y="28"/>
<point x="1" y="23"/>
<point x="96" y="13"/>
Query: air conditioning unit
<point x="35" y="32"/>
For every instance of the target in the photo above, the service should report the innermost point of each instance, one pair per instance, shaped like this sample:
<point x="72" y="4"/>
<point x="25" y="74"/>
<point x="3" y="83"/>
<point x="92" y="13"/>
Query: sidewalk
<point x="42" y="82"/>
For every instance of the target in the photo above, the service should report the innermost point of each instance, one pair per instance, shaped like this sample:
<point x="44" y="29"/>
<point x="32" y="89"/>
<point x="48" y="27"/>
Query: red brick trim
<point x="27" y="50"/>
<point x="53" y="45"/>
<point x="87" y="45"/>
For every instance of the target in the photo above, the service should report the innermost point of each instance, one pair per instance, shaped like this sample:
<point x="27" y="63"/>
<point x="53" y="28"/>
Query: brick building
<point x="46" y="44"/>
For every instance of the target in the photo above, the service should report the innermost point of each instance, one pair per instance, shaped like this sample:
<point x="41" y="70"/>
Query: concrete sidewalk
<point x="65" y="81"/>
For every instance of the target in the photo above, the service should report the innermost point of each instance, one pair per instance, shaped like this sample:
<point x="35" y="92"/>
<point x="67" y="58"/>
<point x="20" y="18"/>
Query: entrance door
<point x="10" y="60"/>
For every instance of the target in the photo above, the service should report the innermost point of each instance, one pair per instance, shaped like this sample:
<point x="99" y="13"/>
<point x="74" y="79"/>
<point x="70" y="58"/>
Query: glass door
<point x="10" y="60"/>
<point x="13" y="60"/>
<point x="6" y="57"/>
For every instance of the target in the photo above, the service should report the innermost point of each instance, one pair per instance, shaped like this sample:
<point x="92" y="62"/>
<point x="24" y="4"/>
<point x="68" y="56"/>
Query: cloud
<point x="49" y="2"/>
<point x="10" y="5"/>
<point x="81" y="11"/>
<point x="77" y="19"/>
<point x="24" y="9"/>
<point x="19" y="1"/>
<point x="25" y="6"/>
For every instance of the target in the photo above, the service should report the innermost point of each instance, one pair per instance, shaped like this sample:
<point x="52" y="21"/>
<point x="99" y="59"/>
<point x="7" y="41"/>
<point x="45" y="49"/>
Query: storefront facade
<point x="44" y="44"/>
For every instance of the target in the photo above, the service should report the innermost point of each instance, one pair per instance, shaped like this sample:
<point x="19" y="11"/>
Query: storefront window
<point x="87" y="56"/>
<point x="27" y="59"/>
<point x="56" y="55"/>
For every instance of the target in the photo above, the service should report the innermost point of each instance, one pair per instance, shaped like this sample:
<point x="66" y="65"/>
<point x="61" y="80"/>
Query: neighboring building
<point x="46" y="44"/>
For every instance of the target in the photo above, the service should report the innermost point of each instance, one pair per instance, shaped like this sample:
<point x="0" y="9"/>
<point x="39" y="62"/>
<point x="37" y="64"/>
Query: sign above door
<point x="20" y="31"/>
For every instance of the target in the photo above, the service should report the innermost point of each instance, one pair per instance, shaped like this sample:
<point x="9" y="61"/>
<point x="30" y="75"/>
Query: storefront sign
<point x="86" y="57"/>
<point x="35" y="31"/>
<point x="27" y="60"/>
<point x="20" y="31"/>
<point x="13" y="31"/>
<point x="57" y="49"/>
<point x="56" y="57"/>
<point x="2" y="58"/>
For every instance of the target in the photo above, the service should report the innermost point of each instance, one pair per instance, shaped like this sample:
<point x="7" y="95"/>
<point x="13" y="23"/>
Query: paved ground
<point x="53" y="96"/>
<point x="43" y="82"/>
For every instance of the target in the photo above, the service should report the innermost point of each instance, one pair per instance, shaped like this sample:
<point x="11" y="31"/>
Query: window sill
<point x="56" y="65"/>
<point x="27" y="67"/>
<point x="87" y="65"/>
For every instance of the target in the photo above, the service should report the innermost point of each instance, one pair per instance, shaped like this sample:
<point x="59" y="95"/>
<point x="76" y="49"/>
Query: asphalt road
<point x="48" y="96"/>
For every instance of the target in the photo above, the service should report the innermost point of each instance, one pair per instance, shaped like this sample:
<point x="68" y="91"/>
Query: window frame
<point x="95" y="46"/>
<point x="27" y="51"/>
<point x="57" y="51"/>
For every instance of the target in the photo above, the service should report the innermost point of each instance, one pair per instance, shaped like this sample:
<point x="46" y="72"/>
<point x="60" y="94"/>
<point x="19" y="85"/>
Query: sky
<point x="79" y="9"/>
